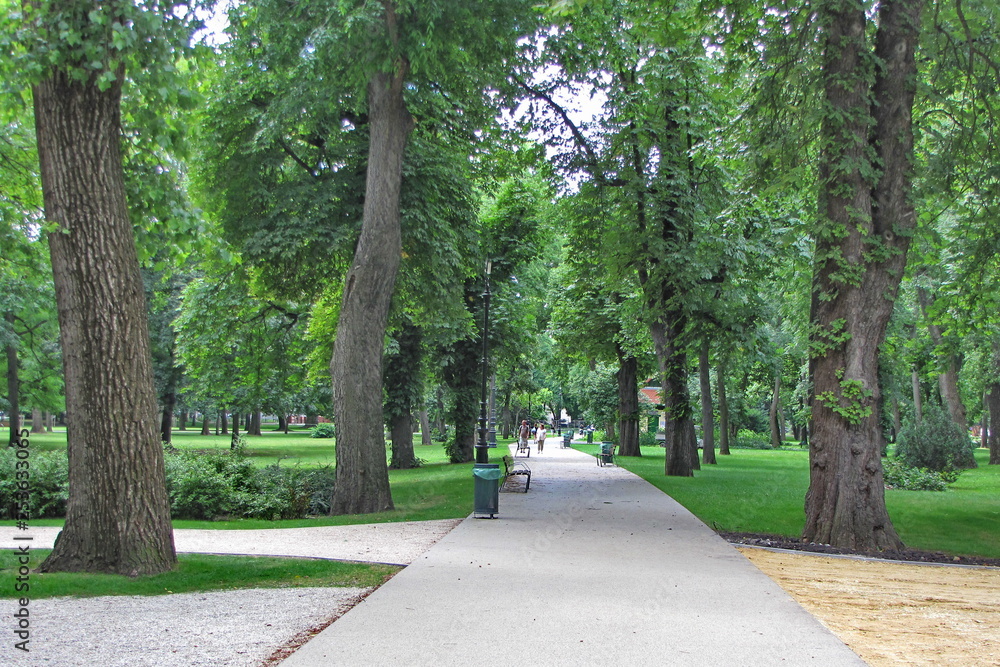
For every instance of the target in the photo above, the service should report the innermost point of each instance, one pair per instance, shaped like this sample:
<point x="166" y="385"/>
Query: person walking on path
<point x="522" y="434"/>
<point x="540" y="436"/>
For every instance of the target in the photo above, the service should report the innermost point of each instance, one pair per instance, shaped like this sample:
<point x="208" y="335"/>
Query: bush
<point x="322" y="431"/>
<point x="211" y="486"/>
<point x="936" y="443"/>
<point x="647" y="438"/>
<point x="898" y="475"/>
<point x="746" y="439"/>
<point x="48" y="481"/>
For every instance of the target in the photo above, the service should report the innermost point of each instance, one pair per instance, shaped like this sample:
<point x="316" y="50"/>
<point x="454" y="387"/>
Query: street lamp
<point x="482" y="455"/>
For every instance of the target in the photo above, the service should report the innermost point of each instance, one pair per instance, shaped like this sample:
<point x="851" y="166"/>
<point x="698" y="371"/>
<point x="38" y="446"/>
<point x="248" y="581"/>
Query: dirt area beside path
<point x="896" y="613"/>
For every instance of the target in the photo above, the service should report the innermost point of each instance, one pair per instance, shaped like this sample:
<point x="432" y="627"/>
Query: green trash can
<point x="607" y="453"/>
<point x="486" y="477"/>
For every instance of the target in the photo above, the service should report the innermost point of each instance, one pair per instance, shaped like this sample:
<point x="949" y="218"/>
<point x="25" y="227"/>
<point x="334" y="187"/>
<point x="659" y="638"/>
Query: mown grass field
<point x="763" y="491"/>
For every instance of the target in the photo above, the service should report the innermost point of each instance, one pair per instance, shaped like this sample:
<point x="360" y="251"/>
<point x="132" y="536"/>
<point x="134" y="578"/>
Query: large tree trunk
<point x="720" y="386"/>
<point x="401" y="434"/>
<point x="118" y="513"/>
<point x="860" y="255"/>
<point x="425" y="429"/>
<point x="707" y="412"/>
<point x="183" y="420"/>
<point x="13" y="388"/>
<point x="628" y="404"/>
<point x="204" y="425"/>
<point x="254" y="423"/>
<point x="993" y="436"/>
<point x="36" y="421"/>
<point x="680" y="441"/>
<point x="948" y="377"/>
<point x="362" y="478"/>
<point x="167" y="419"/>
<point x="225" y="422"/>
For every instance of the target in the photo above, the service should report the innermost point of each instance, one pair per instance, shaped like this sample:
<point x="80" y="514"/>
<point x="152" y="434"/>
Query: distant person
<point x="540" y="437"/>
<point x="522" y="434"/>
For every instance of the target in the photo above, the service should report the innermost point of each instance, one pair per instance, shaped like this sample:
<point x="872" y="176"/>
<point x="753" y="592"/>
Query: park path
<point x="593" y="565"/>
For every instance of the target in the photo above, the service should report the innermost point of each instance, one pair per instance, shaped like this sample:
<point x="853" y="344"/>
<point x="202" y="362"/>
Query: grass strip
<point x="195" y="573"/>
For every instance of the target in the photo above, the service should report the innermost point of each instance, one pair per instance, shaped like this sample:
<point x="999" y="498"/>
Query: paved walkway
<point x="592" y="566"/>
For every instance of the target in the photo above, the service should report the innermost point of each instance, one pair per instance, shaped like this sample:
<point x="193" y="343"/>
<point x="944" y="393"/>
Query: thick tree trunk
<point x="707" y="411"/>
<point x="720" y="386"/>
<point x="362" y="478"/>
<point x="254" y="423"/>
<point x="36" y="421"/>
<point x="13" y="388"/>
<point x="167" y="418"/>
<point x="282" y="424"/>
<point x="860" y="256"/>
<point x="993" y="437"/>
<point x="225" y="422"/>
<point x="204" y="425"/>
<point x="680" y="441"/>
<point x="628" y="404"/>
<point x="234" y="439"/>
<point x="401" y="434"/>
<point x="183" y="420"/>
<point x="118" y="513"/>
<point x="425" y="429"/>
<point x="948" y="375"/>
<point x="774" y="414"/>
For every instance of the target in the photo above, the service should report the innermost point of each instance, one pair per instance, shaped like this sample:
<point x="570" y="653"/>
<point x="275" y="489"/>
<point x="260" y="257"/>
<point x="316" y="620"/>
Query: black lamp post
<point x="482" y="455"/>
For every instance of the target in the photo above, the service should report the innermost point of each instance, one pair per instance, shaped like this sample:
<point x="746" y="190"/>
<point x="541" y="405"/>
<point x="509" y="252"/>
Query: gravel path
<point x="221" y="628"/>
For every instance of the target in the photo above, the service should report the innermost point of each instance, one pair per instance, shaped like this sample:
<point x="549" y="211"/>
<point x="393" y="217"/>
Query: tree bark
<point x="401" y="434"/>
<point x="720" y="386"/>
<point x="628" y="404"/>
<point x="183" y="420"/>
<point x="204" y="425"/>
<point x="993" y="437"/>
<point x="225" y="422"/>
<point x="362" y="478"/>
<point x="425" y="429"/>
<point x="918" y="410"/>
<point x="860" y="256"/>
<point x="254" y="423"/>
<point x="948" y="375"/>
<point x="672" y="360"/>
<point x="118" y="513"/>
<point x="774" y="414"/>
<point x="167" y="419"/>
<point x="13" y="388"/>
<point x="707" y="411"/>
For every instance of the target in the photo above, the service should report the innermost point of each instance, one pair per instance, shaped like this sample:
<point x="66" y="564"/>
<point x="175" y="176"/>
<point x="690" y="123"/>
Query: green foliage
<point x="898" y="475"/>
<point x="935" y="443"/>
<point x="228" y="484"/>
<point x="647" y="438"/>
<point x="746" y="439"/>
<point x="47" y="481"/>
<point x="325" y="430"/>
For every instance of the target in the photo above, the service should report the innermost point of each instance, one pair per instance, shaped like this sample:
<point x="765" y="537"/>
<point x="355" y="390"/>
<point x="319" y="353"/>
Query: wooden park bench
<point x="606" y="456"/>
<point x="512" y="467"/>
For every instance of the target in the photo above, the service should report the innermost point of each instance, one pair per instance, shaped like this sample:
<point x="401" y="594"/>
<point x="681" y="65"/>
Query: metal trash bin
<point x="486" y="493"/>
<point x="567" y="438"/>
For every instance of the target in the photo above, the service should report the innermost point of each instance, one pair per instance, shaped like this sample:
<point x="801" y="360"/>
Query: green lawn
<point x="764" y="492"/>
<point x="196" y="572"/>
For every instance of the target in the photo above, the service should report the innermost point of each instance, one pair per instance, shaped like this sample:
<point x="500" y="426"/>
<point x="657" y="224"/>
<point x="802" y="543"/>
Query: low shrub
<point x="47" y="480"/>
<point x="325" y="430"/>
<point x="647" y="439"/>
<point x="747" y="439"/>
<point x="935" y="443"/>
<point x="227" y="484"/>
<point x="898" y="475"/>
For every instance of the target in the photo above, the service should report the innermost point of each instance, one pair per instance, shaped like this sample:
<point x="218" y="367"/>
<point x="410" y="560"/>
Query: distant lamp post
<point x="482" y="455"/>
